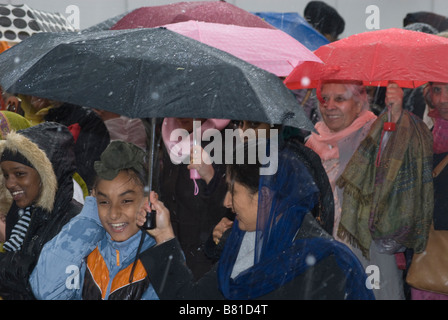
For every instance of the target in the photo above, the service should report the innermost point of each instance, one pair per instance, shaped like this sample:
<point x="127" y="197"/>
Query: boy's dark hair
<point x="137" y="177"/>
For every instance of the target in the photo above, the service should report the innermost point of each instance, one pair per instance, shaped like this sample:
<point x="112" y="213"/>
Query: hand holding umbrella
<point x="394" y="101"/>
<point x="164" y="231"/>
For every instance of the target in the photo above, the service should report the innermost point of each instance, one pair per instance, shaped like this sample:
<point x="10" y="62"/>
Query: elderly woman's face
<point x="339" y="109"/>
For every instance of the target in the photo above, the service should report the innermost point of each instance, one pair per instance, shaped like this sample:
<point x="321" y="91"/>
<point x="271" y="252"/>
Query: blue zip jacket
<point x="60" y="271"/>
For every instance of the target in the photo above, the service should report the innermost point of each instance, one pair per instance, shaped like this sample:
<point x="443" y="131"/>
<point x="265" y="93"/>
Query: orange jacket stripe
<point x="122" y="278"/>
<point x="100" y="273"/>
<point x="98" y="270"/>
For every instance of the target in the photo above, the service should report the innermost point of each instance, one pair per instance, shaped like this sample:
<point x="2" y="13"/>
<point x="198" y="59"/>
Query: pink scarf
<point x="325" y="144"/>
<point x="439" y="132"/>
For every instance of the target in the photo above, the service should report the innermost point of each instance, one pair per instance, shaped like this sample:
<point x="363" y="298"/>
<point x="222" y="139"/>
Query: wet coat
<point x="91" y="141"/>
<point x="49" y="148"/>
<point x="63" y="272"/>
<point x="193" y="217"/>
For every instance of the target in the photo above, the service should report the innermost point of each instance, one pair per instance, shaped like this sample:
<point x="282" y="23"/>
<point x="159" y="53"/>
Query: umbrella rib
<point x="199" y="30"/>
<point x="138" y="86"/>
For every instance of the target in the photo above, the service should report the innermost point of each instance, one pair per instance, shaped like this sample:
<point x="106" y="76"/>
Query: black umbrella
<point x="146" y="73"/>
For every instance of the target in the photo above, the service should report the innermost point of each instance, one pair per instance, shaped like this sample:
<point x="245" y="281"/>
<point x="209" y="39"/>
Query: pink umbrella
<point x="270" y="49"/>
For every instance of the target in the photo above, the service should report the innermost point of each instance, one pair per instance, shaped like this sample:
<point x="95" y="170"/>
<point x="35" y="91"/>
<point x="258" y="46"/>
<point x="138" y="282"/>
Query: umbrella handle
<point x="388" y="127"/>
<point x="150" y="222"/>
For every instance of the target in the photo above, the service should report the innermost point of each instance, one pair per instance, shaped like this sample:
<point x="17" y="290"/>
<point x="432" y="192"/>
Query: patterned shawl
<point x="392" y="203"/>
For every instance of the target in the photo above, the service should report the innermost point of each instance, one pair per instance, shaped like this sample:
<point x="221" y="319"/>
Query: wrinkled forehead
<point x="336" y="89"/>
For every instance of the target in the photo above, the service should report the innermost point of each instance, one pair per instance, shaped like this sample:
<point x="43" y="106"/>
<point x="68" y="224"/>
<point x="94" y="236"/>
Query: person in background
<point x="429" y="107"/>
<point x="5" y="204"/>
<point x="91" y="138"/>
<point x="8" y="121"/>
<point x="124" y="128"/>
<point x="324" y="19"/>
<point x="195" y="204"/>
<point x="435" y="20"/>
<point x="37" y="164"/>
<point x="347" y="143"/>
<point x="35" y="108"/>
<point x="90" y="133"/>
<point x="436" y="94"/>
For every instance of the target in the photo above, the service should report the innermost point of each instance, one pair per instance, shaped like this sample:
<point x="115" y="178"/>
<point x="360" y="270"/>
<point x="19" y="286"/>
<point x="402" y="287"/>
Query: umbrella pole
<point x="193" y="172"/>
<point x="150" y="222"/>
<point x="152" y="154"/>
<point x="307" y="96"/>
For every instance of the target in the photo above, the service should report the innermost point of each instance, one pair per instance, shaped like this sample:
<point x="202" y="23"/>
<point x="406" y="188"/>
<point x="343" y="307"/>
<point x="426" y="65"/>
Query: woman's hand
<point x="202" y="163"/>
<point x="220" y="228"/>
<point x="394" y="101"/>
<point x="163" y="231"/>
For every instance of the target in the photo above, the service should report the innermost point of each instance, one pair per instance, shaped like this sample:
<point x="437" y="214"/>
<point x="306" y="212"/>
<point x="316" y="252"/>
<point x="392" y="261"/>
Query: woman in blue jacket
<point x="95" y="256"/>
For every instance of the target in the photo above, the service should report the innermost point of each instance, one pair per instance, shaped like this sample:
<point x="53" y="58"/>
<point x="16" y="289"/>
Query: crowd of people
<point x="73" y="200"/>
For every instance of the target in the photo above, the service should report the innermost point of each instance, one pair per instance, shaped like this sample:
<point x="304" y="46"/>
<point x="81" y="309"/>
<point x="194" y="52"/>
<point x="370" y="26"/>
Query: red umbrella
<point x="208" y="11"/>
<point x="376" y="58"/>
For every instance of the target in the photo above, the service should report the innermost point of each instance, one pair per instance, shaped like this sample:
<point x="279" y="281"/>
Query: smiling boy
<point x="95" y="256"/>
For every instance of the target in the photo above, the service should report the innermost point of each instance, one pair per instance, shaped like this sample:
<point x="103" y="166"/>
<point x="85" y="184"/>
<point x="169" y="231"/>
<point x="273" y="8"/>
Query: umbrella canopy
<point x="272" y="50"/>
<point x="376" y="58"/>
<point x="145" y="73"/>
<point x="296" y="26"/>
<point x="208" y="11"/>
<point x="18" y="22"/>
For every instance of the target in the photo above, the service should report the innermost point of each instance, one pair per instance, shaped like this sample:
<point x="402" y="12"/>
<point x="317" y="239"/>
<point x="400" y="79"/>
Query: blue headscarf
<point x="284" y="198"/>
